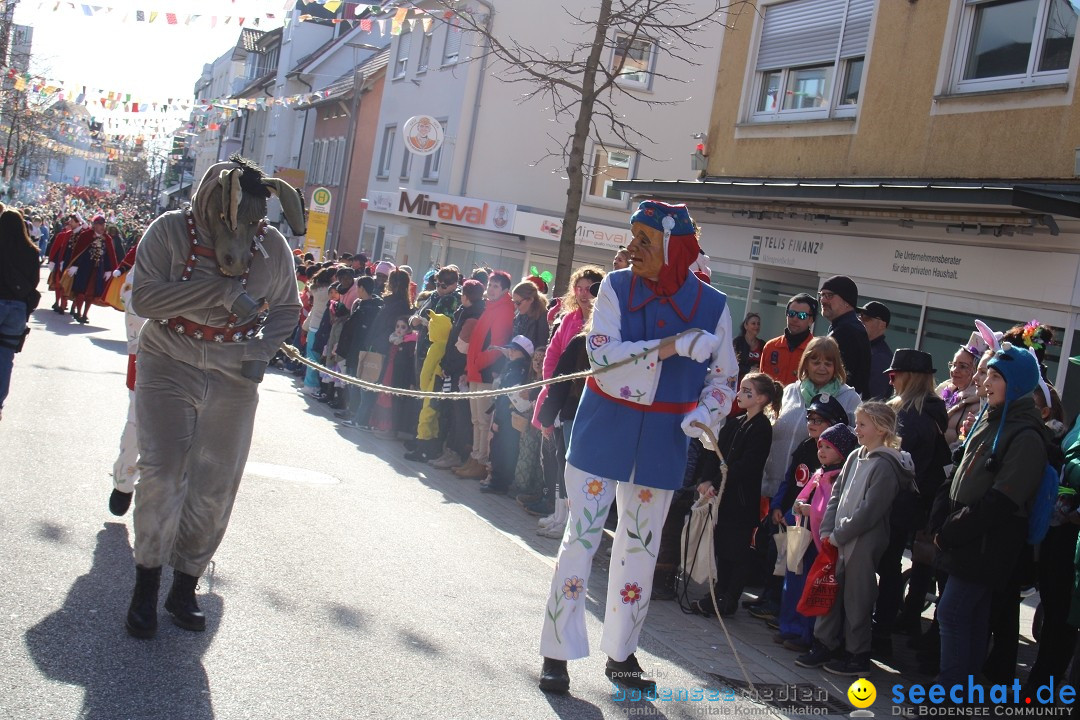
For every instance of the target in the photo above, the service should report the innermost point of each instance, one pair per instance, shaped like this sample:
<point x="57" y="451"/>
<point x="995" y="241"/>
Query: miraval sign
<point x="452" y="209"/>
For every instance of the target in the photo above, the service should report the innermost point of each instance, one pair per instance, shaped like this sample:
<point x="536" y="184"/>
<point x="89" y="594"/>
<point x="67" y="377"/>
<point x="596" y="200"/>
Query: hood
<point x="899" y="457"/>
<point x="438" y="327"/>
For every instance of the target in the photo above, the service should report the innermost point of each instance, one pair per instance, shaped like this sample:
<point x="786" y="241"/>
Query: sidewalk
<point x="698" y="642"/>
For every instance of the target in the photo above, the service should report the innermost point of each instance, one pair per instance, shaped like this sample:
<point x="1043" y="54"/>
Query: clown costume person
<point x="649" y="405"/>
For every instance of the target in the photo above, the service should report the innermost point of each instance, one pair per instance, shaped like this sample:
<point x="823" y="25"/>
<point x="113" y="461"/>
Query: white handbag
<point x="698" y="554"/>
<point x="798" y="539"/>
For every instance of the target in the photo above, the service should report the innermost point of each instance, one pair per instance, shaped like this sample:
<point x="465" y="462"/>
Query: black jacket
<point x="355" y="333"/>
<point x="880" y="359"/>
<point x="922" y="436"/>
<point x="745" y="445"/>
<point x="19" y="274"/>
<point x="563" y="398"/>
<point x="534" y="328"/>
<point x="854" y="344"/>
<point x="378" y="339"/>
<point x="453" y="362"/>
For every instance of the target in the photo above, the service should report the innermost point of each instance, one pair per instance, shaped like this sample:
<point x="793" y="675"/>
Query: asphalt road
<point x="350" y="584"/>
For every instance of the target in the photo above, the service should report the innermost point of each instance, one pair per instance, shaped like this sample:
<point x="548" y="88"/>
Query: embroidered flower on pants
<point x="645" y="496"/>
<point x="631" y="593"/>
<point x="573" y="587"/>
<point x="594" y="487"/>
<point x="624" y="391"/>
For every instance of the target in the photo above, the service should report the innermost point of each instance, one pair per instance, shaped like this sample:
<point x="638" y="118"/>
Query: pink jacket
<point x="571" y="325"/>
<point x="822" y="480"/>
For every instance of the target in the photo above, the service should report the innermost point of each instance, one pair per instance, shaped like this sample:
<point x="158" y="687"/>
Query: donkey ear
<point x="230" y="196"/>
<point x="292" y="203"/>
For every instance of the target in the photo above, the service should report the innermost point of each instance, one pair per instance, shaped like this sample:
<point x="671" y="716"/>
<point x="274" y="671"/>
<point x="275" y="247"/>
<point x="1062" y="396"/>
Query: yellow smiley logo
<point x="862" y="693"/>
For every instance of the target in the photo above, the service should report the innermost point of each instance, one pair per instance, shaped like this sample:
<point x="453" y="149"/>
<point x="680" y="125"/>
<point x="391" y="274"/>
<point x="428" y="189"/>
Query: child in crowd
<point x="334" y="389"/>
<point x="528" y="485"/>
<point x="833" y="447"/>
<point x="744" y="442"/>
<point x="505" y="437"/>
<point x="856" y="526"/>
<point x="823" y="412"/>
<point x="387" y="410"/>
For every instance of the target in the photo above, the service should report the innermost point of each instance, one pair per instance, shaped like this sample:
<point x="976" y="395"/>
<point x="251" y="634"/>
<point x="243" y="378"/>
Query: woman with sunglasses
<point x="530" y="313"/>
<point x="959" y="391"/>
<point x="780" y="357"/>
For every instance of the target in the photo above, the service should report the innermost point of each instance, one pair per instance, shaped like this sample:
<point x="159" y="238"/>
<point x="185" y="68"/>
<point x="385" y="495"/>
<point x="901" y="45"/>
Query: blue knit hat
<point x="1020" y="370"/>
<point x="841" y="437"/>
<point x="653" y="212"/>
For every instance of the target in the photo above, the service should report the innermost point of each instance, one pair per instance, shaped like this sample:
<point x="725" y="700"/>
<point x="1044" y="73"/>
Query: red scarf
<point x="682" y="251"/>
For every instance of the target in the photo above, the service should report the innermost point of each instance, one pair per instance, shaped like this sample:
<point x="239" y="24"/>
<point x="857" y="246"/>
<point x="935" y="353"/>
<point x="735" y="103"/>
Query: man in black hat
<point x="839" y="296"/>
<point x="875" y="318"/>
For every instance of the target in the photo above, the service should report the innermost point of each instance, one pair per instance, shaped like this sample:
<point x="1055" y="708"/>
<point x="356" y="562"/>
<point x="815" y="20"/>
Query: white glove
<point x="699" y="347"/>
<point x="699" y="414"/>
<point x="50" y="266"/>
<point x="72" y="270"/>
<point x="116" y="272"/>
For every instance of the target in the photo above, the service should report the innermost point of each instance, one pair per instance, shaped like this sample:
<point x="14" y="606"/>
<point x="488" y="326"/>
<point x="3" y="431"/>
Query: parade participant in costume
<point x="57" y="260"/>
<point x="216" y="284"/>
<point x="93" y="258"/>
<point x="672" y="384"/>
<point x="126" y="467"/>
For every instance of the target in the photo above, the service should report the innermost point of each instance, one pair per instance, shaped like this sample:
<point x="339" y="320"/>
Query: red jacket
<point x="59" y="246"/>
<point x="780" y="362"/>
<point x="82" y="242"/>
<point x="492" y="330"/>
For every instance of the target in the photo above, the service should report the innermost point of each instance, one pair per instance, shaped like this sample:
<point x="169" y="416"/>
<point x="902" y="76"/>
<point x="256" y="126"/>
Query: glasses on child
<point x="816" y="420"/>
<point x="801" y="314"/>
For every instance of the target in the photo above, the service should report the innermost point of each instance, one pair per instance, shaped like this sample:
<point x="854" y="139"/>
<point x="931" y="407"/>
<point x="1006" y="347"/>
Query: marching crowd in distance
<point x="837" y="434"/>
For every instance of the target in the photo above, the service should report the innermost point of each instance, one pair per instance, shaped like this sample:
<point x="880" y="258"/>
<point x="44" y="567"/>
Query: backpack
<point x="1046" y="497"/>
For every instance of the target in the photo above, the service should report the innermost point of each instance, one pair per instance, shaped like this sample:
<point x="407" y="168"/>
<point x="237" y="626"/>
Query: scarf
<point x="809" y="390"/>
<point x="682" y="252"/>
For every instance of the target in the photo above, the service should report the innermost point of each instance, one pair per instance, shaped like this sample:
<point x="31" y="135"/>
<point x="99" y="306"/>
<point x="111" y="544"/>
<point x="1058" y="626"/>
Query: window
<point x="406" y="164"/>
<point x="389" y="133"/>
<point x="634" y="59"/>
<point x="1013" y="43"/>
<point x="810" y="59"/>
<point x="609" y="165"/>
<point x="401" y="61"/>
<point x="434" y="160"/>
<point x="313" y="163"/>
<point x="452" y="48"/>
<point x="339" y="168"/>
<point x="425" y="53"/>
<point x="333" y="162"/>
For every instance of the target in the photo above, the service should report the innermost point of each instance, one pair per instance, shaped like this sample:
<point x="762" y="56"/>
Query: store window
<point x="946" y="330"/>
<point x="737" y="289"/>
<point x="468" y="256"/>
<point x="1005" y="44"/>
<point x="810" y="59"/>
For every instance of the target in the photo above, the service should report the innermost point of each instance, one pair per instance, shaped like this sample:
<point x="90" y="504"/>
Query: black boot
<point x="119" y="502"/>
<point x="628" y="674"/>
<point x="142" y="613"/>
<point x="181" y="602"/>
<point x="553" y="676"/>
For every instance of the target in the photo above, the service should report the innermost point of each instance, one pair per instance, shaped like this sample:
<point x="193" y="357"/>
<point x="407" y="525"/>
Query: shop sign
<point x="1036" y="276"/>
<point x="423" y="135"/>
<point x="588" y="234"/>
<point x="451" y="209"/>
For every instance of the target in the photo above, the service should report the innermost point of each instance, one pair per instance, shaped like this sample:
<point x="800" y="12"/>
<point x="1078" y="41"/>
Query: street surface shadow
<point x="347" y="617"/>
<point x="84" y="643"/>
<point x="414" y="642"/>
<point x="51" y="532"/>
<point x="116" y="346"/>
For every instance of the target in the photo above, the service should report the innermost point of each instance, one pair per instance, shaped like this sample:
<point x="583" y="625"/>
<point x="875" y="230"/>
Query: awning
<point x="895" y="195"/>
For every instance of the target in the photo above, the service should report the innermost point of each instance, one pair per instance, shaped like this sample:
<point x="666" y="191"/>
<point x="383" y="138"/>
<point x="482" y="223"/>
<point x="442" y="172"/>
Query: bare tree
<point x="581" y="88"/>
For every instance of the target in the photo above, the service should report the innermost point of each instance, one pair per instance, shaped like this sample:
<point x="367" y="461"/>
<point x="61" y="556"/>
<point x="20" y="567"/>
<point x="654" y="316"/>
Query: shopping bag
<point x="112" y="295"/>
<point x="821" y="585"/>
<point x="369" y="369"/>
<point x="799" y="538"/>
<point x="698" y="555"/>
<point x="781" y="540"/>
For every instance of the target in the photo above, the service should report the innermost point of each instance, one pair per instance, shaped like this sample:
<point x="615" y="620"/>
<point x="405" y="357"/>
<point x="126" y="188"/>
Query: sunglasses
<point x="445" y="285"/>
<point x="801" y="314"/>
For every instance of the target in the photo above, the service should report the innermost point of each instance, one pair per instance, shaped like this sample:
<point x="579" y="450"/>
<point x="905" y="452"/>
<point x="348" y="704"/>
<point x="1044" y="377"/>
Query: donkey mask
<point x="229" y="204"/>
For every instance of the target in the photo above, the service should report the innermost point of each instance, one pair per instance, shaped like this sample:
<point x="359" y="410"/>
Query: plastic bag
<point x="821" y="585"/>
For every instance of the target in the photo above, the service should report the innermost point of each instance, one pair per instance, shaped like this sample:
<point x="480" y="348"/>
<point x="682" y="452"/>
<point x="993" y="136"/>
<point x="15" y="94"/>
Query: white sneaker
<point x="545" y="521"/>
<point x="555" y="531"/>
<point x="448" y="459"/>
<point x="557" y="521"/>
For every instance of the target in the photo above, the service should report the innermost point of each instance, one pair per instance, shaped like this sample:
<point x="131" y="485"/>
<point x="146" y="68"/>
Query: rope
<point x="295" y="354"/>
<point x="712" y="580"/>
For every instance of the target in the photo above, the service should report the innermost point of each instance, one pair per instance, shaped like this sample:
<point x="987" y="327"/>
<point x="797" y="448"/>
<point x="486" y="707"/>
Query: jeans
<point x="311" y="377"/>
<point x="12" y="324"/>
<point x="963" y="615"/>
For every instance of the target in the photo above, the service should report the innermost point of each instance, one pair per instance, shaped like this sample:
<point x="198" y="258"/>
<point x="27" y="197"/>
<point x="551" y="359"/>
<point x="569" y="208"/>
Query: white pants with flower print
<point x="642" y="512"/>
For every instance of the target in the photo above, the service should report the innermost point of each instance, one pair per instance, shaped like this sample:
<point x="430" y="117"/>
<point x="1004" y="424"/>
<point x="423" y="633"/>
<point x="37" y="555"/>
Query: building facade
<point x="929" y="150"/>
<point x="494" y="193"/>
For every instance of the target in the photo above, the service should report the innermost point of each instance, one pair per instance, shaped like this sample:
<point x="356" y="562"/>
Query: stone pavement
<point x="697" y="641"/>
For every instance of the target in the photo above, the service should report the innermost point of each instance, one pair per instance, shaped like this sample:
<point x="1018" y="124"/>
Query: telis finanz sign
<point x="450" y="209"/>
